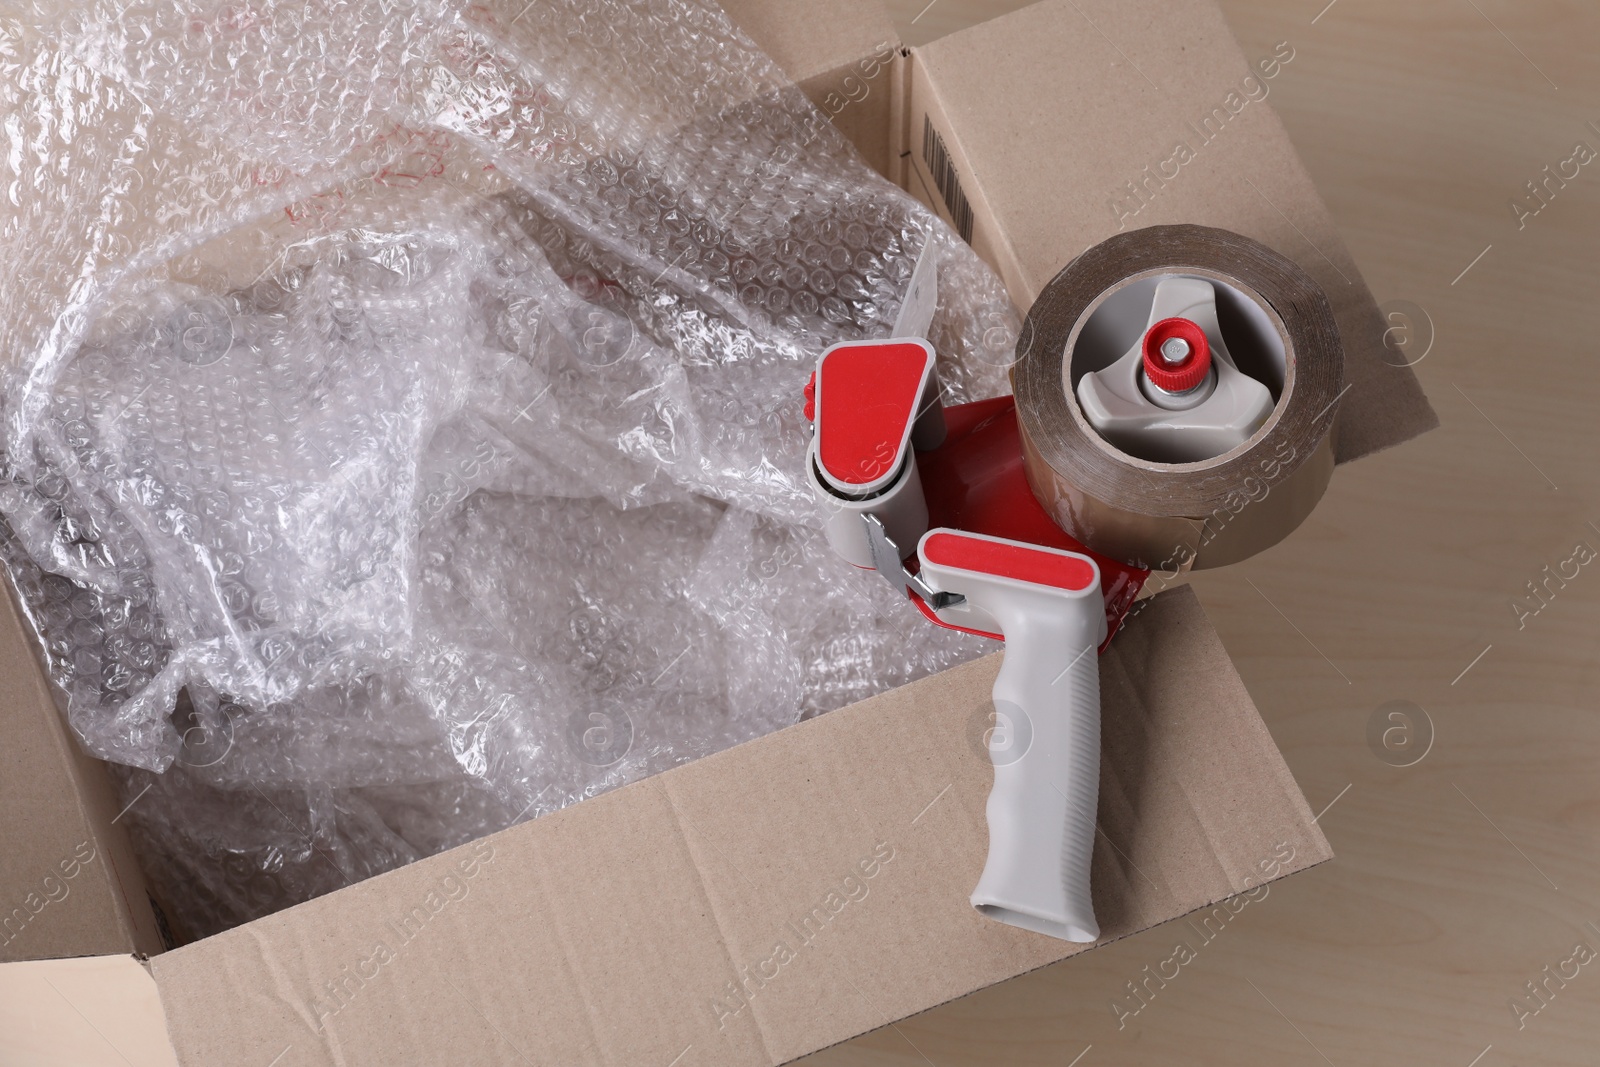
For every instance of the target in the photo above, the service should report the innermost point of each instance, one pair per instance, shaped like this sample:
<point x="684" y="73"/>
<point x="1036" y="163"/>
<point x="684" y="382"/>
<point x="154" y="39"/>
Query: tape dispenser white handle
<point x="874" y="403"/>
<point x="1045" y="746"/>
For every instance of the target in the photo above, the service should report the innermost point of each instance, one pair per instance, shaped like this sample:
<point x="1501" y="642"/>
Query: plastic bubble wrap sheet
<point x="402" y="426"/>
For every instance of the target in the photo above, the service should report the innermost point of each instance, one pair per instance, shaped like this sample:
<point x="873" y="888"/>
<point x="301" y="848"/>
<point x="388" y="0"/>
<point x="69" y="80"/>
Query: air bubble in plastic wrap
<point x="402" y="413"/>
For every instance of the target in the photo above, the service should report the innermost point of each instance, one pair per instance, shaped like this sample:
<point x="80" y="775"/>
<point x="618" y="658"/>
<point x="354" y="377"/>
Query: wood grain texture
<point x="1460" y="878"/>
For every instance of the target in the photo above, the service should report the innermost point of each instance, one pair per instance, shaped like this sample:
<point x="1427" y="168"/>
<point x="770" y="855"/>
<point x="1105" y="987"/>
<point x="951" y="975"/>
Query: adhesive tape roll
<point x="1177" y="516"/>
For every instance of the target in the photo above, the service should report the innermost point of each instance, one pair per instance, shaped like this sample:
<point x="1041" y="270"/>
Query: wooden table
<point x="1460" y="878"/>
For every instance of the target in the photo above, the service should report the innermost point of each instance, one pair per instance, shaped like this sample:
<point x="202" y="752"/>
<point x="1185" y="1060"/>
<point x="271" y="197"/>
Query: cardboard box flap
<point x="808" y="39"/>
<point x="762" y="903"/>
<point x="95" y="1011"/>
<point x="70" y="882"/>
<point x="1042" y="133"/>
<point x="844" y="57"/>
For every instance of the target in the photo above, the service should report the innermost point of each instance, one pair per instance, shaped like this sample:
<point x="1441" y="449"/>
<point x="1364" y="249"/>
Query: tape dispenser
<point x="939" y="502"/>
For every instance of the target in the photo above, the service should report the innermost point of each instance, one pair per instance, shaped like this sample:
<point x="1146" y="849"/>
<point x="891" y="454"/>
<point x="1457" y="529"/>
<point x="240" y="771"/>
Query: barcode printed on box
<point x="937" y="157"/>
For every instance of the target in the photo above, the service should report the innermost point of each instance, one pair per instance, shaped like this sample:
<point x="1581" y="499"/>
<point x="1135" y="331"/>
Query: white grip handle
<point x="1046" y="755"/>
<point x="1046" y="603"/>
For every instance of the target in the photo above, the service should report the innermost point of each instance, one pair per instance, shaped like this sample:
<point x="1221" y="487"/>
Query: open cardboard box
<point x="796" y="891"/>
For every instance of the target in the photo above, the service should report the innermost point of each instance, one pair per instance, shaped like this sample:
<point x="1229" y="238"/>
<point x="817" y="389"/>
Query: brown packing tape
<point x="1177" y="516"/>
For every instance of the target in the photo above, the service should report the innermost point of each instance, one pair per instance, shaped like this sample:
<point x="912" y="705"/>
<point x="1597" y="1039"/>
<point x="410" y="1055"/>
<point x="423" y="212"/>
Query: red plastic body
<point x="1180" y="377"/>
<point x="868" y="397"/>
<point x="975" y="482"/>
<point x="1024" y="564"/>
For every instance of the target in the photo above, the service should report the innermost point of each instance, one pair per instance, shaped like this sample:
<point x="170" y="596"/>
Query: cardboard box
<point x="796" y="891"/>
<point x="1042" y="133"/>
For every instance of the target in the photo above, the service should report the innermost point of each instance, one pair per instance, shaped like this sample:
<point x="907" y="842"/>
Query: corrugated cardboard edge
<point x="72" y="883"/>
<point x="1005" y="96"/>
<point x="764" y="902"/>
<point x="926" y="118"/>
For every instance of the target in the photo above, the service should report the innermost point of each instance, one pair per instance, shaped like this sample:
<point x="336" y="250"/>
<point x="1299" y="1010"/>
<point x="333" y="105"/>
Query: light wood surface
<point x="1460" y="878"/>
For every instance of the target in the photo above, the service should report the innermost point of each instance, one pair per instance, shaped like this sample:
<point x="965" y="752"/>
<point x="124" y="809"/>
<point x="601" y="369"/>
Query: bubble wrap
<point x="402" y="428"/>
